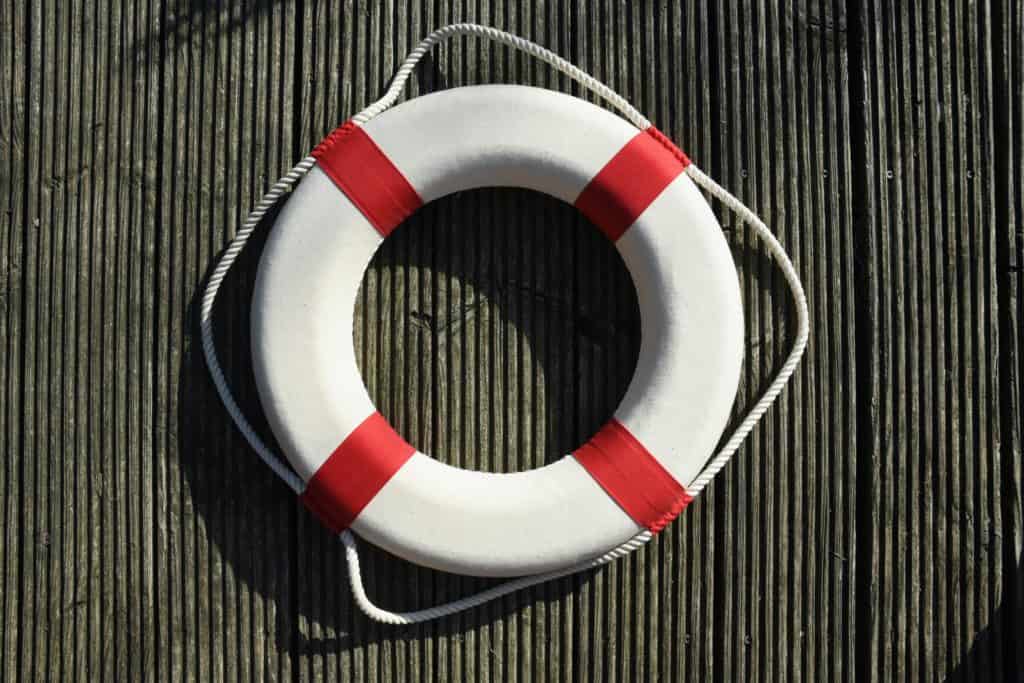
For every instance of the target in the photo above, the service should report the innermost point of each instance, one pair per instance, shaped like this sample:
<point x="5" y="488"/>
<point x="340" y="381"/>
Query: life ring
<point x="357" y="472"/>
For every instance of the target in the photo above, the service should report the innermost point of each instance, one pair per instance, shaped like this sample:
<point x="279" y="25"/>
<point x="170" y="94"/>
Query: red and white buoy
<point x="633" y="474"/>
<point x="639" y="471"/>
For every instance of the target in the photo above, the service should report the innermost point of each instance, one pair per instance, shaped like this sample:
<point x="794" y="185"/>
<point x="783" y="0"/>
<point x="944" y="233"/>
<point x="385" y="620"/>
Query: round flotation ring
<point x="616" y="491"/>
<point x="632" y="475"/>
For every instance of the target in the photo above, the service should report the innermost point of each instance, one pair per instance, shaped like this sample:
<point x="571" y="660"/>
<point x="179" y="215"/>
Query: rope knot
<point x="666" y="141"/>
<point x="332" y="138"/>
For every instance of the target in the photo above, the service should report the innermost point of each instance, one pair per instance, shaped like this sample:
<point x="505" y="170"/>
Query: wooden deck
<point x="870" y="530"/>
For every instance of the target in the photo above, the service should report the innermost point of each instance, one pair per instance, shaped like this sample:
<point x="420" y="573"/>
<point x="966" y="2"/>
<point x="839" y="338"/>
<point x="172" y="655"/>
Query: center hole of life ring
<point x="496" y="329"/>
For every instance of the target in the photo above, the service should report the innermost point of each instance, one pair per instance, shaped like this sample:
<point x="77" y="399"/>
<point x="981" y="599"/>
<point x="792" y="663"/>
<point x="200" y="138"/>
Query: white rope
<point x="802" y="327"/>
<point x="633" y="116"/>
<point x="206" y="320"/>
<point x="561" y="65"/>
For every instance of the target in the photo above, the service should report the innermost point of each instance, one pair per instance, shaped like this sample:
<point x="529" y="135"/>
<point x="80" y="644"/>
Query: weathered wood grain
<point x="1008" y="186"/>
<point x="14" y="64"/>
<point x="785" y="520"/>
<point x="227" y="91"/>
<point x="870" y="529"/>
<point x="131" y="513"/>
<point x="934" y="570"/>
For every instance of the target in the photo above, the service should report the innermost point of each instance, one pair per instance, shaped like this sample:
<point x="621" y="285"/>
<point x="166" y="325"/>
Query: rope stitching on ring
<point x="288" y="181"/>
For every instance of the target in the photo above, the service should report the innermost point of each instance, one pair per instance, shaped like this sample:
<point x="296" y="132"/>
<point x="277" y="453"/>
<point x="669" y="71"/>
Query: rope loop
<point x="285" y="184"/>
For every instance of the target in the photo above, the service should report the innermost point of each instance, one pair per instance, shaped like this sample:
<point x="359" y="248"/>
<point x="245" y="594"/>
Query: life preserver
<point x="357" y="471"/>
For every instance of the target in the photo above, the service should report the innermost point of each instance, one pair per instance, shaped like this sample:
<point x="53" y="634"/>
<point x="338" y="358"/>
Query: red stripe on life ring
<point x="355" y="472"/>
<point x="632" y="476"/>
<point x="630" y="181"/>
<point x="364" y="173"/>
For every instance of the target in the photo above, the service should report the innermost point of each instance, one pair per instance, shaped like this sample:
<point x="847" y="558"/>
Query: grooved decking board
<point x="136" y="524"/>
<point x="934" y="570"/>
<point x="1008" y="139"/>
<point x="870" y="529"/>
<point x="784" y="518"/>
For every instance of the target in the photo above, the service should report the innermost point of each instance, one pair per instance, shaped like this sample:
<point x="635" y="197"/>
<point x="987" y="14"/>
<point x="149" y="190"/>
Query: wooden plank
<point x="1008" y="140"/>
<point x="871" y="529"/>
<point x="225" y="553"/>
<point x="92" y="549"/>
<point x="128" y="149"/>
<point x="14" y="86"/>
<point x="785" y="517"/>
<point x="934" y="577"/>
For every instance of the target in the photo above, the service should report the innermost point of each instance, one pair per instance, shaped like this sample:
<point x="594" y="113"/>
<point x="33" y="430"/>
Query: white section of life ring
<point x="471" y="522"/>
<point x="303" y="307"/>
